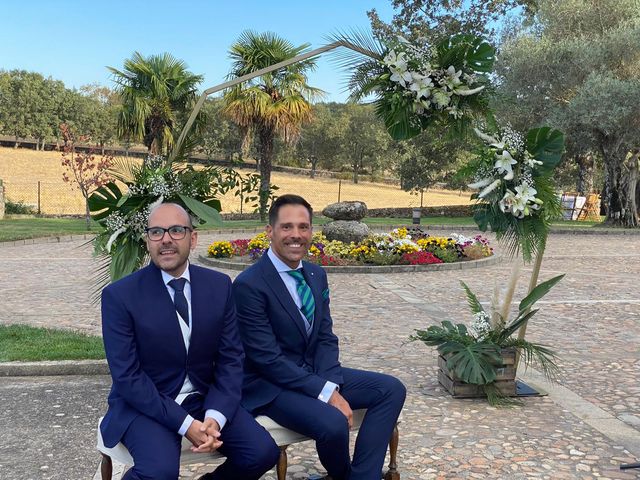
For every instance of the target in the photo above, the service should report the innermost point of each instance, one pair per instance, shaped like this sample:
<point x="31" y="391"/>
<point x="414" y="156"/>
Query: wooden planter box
<point x="505" y="380"/>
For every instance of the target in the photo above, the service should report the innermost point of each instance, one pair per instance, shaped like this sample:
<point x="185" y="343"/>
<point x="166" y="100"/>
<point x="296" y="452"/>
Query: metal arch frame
<point x="262" y="71"/>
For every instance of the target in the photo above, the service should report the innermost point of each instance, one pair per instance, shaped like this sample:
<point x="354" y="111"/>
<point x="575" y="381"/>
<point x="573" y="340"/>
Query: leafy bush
<point x="18" y="208"/>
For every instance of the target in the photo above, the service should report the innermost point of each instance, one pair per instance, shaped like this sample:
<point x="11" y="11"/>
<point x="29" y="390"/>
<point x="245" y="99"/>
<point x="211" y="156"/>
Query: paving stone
<point x="591" y="318"/>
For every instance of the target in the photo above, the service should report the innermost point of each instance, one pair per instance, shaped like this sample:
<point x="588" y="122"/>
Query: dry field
<point x="22" y="169"/>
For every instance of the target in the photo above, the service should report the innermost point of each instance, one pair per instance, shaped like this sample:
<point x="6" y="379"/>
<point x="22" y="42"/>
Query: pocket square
<point x="325" y="294"/>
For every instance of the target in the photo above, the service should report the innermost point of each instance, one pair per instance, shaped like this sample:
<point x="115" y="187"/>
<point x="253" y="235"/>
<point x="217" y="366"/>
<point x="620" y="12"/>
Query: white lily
<point x="453" y="78"/>
<point x="527" y="192"/>
<point x="507" y="201"/>
<point x="530" y="160"/>
<point x="503" y="164"/>
<point x="395" y="60"/>
<point x="401" y="77"/>
<point x="422" y="87"/>
<point x="441" y="98"/>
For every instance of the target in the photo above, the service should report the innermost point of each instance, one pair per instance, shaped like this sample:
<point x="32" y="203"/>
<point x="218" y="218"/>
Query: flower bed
<point x="401" y="246"/>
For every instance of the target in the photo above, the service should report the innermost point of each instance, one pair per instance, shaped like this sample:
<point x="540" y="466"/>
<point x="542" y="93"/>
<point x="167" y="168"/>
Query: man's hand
<point x="341" y="404"/>
<point x="202" y="442"/>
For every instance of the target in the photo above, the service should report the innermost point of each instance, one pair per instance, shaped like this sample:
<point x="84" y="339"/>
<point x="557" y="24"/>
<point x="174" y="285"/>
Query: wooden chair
<point x="591" y="208"/>
<point x="282" y="436"/>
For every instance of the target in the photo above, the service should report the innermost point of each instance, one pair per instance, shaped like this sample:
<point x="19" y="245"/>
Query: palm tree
<point x="156" y="92"/>
<point x="276" y="103"/>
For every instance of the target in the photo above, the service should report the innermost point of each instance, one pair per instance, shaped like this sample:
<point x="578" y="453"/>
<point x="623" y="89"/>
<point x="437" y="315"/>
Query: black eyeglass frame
<point x="168" y="230"/>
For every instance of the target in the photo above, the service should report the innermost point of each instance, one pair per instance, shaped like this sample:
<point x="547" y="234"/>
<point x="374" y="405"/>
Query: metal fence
<point x="59" y="198"/>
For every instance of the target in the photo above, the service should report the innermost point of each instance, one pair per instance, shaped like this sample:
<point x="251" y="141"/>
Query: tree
<point x="438" y="19"/>
<point x="320" y="140"/>
<point x="425" y="160"/>
<point x="274" y="104"/>
<point x="366" y="141"/>
<point x="104" y="106"/>
<point x="221" y="138"/>
<point x="575" y="65"/>
<point x="83" y="168"/>
<point x="157" y="92"/>
<point x="23" y="110"/>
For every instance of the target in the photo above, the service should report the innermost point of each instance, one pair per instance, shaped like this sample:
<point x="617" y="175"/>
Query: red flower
<point x="420" y="258"/>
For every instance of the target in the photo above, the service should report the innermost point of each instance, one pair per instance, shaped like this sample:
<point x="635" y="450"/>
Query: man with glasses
<point x="175" y="357"/>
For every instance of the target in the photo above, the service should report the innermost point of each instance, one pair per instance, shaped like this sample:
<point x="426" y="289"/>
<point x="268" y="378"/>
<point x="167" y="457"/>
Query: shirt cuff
<point x="217" y="416"/>
<point x="327" y="391"/>
<point x="185" y="425"/>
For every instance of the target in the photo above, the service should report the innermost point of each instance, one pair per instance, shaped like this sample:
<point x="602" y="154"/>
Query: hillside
<point x="22" y="169"/>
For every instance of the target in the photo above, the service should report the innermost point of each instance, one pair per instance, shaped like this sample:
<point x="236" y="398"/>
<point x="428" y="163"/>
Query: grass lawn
<point x="23" y="228"/>
<point x="26" y="344"/>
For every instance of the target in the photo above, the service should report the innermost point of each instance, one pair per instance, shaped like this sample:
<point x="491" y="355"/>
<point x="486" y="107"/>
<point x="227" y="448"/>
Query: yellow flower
<point x="222" y="249"/>
<point x="399" y="233"/>
<point x="259" y="242"/>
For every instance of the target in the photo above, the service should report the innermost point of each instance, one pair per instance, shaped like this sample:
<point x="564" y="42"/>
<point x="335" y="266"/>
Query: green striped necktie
<point x="306" y="297"/>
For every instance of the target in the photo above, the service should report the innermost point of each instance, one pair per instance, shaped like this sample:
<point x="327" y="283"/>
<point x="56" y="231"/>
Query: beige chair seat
<point x="282" y="436"/>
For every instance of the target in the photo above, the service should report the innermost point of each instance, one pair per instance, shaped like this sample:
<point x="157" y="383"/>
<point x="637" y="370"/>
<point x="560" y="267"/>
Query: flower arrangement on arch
<point x="473" y="353"/>
<point x="417" y="84"/>
<point x="123" y="215"/>
<point x="516" y="195"/>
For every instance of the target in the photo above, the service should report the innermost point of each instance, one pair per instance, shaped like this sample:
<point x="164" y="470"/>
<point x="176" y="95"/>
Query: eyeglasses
<point x="176" y="232"/>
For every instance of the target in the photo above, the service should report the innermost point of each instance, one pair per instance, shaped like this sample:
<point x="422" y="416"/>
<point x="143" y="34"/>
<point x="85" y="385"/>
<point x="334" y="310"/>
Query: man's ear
<point x="269" y="230"/>
<point x="194" y="240"/>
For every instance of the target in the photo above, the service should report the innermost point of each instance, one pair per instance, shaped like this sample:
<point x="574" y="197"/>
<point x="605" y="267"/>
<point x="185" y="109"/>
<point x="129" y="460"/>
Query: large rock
<point x="346" y="231"/>
<point x="346" y="211"/>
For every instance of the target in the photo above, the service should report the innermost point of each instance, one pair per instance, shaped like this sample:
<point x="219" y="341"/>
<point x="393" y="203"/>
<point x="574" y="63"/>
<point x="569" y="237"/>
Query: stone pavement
<point x="584" y="428"/>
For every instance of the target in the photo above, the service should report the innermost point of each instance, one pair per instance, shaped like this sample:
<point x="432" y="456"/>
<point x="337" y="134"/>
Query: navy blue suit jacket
<point x="279" y="354"/>
<point x="147" y="356"/>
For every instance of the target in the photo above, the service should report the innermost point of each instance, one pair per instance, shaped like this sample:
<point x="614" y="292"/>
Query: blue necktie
<point x="306" y="298"/>
<point x="182" y="307"/>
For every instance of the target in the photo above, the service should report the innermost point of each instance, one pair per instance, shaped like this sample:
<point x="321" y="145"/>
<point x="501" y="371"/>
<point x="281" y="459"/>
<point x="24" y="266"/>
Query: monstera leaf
<point x="546" y="145"/>
<point x="475" y="363"/>
<point x="466" y="51"/>
<point x="104" y="201"/>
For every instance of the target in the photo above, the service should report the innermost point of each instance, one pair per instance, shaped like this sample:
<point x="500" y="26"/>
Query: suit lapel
<point x="275" y="283"/>
<point x="167" y="316"/>
<point x="198" y="293"/>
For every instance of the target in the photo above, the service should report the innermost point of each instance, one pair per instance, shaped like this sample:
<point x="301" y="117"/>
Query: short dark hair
<point x="288" y="199"/>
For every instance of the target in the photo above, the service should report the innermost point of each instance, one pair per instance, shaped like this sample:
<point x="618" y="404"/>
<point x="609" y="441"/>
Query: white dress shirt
<point x="292" y="288"/>
<point x="187" y="386"/>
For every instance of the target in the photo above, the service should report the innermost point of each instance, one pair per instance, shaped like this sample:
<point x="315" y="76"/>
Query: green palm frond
<point x="474" y="303"/>
<point x="362" y="46"/>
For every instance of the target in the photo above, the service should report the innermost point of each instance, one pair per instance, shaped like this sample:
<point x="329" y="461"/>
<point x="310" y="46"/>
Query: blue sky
<point x="74" y="40"/>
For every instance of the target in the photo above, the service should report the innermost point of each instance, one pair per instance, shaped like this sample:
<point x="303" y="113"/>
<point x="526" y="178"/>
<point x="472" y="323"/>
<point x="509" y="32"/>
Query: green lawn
<point x="24" y="343"/>
<point x="23" y="228"/>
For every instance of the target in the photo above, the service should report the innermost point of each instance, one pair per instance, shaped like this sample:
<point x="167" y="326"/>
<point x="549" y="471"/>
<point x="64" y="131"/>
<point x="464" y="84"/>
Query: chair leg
<point x="106" y="467"/>
<point x="281" y="469"/>
<point x="392" y="473"/>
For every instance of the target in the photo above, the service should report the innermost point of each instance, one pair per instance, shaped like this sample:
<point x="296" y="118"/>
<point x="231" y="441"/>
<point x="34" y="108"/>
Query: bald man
<point x="176" y="358"/>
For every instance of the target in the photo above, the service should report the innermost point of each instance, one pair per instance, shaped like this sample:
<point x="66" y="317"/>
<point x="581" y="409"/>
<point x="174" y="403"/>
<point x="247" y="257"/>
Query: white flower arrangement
<point x="510" y="156"/>
<point x="431" y="88"/>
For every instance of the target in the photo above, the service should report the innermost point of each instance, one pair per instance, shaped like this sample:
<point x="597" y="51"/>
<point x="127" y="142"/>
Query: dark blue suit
<point x="148" y="363"/>
<point x="285" y="370"/>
